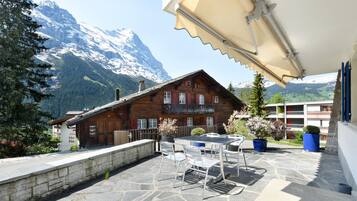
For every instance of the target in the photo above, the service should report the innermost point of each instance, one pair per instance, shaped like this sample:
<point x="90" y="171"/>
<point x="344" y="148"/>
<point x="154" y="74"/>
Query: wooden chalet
<point x="193" y="99"/>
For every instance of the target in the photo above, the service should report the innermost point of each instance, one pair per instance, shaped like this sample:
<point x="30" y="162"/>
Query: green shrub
<point x="106" y="174"/>
<point x="74" y="147"/>
<point x="311" y="129"/>
<point x="299" y="137"/>
<point x="198" y="131"/>
<point x="280" y="110"/>
<point x="39" y="149"/>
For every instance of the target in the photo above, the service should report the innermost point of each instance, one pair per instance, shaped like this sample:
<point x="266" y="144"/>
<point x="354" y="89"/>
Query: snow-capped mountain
<point x="120" y="50"/>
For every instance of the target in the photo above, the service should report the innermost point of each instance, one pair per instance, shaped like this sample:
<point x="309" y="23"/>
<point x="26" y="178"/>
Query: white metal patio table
<point x="221" y="141"/>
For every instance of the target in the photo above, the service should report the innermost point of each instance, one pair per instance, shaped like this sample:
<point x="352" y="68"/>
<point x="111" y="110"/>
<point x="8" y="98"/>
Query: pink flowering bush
<point x="235" y="124"/>
<point x="167" y="127"/>
<point x="259" y="127"/>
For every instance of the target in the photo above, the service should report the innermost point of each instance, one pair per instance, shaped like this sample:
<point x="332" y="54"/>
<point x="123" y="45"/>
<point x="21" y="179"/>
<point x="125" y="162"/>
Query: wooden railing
<point x="187" y="109"/>
<point x="152" y="133"/>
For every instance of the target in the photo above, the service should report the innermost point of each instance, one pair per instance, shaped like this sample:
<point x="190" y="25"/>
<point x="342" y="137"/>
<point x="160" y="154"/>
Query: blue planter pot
<point x="198" y="144"/>
<point x="260" y="145"/>
<point x="311" y="142"/>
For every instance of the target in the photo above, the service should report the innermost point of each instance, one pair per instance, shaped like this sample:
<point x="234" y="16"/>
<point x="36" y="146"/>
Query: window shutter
<point x="346" y="91"/>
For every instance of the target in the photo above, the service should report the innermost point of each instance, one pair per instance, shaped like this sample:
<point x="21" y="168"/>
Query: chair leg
<point x="177" y="171"/>
<point x="245" y="161"/>
<point x="204" y="184"/>
<point x="238" y="166"/>
<point x="183" y="179"/>
<point x="162" y="159"/>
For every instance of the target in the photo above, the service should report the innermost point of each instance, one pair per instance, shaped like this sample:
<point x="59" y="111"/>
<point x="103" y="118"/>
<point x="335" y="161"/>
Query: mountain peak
<point x="119" y="50"/>
<point x="48" y="3"/>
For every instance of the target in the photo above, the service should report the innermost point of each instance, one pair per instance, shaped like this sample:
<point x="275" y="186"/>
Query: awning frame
<point x="264" y="11"/>
<point x="246" y="53"/>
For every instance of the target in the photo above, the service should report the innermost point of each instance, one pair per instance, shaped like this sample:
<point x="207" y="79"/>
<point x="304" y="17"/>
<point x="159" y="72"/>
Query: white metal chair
<point x="239" y="140"/>
<point x="198" y="163"/>
<point x="214" y="148"/>
<point x="168" y="152"/>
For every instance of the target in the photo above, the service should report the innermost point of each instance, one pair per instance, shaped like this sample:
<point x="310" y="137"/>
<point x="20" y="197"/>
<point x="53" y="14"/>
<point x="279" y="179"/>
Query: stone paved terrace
<point x="142" y="180"/>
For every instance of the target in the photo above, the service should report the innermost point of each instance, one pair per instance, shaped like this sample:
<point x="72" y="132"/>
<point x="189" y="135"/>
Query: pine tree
<point x="230" y="87"/>
<point x="23" y="80"/>
<point x="257" y="105"/>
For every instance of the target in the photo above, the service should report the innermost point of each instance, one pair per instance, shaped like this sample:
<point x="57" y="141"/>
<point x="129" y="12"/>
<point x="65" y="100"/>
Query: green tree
<point x="277" y="98"/>
<point x="23" y="80"/>
<point x="257" y="105"/>
<point x="230" y="88"/>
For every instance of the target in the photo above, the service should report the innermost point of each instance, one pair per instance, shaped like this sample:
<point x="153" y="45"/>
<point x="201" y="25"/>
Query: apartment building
<point x="297" y="115"/>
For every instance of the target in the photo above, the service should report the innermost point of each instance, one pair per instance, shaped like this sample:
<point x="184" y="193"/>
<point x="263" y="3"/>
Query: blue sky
<point x="177" y="51"/>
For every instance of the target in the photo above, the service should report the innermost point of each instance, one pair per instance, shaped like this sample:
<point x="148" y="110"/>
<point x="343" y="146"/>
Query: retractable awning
<point x="282" y="39"/>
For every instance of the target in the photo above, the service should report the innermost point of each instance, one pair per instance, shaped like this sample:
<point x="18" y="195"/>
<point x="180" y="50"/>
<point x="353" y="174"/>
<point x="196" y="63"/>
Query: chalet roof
<point x="68" y="115"/>
<point x="134" y="96"/>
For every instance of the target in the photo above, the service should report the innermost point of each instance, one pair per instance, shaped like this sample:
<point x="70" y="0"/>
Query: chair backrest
<point x="238" y="140"/>
<point x="212" y="135"/>
<point x="193" y="154"/>
<point x="167" y="148"/>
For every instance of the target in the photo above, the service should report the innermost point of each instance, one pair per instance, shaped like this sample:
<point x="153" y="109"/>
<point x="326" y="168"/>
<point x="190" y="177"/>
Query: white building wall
<point x="354" y="86"/>
<point x="313" y="123"/>
<point x="68" y="138"/>
<point x="347" y="135"/>
<point x="313" y="108"/>
<point x="325" y="123"/>
<point x="347" y="149"/>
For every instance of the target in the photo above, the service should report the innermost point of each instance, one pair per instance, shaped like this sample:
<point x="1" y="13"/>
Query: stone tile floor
<point x="142" y="181"/>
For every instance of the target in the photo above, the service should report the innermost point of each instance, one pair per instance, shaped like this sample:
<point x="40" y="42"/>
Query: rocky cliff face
<point x="120" y="50"/>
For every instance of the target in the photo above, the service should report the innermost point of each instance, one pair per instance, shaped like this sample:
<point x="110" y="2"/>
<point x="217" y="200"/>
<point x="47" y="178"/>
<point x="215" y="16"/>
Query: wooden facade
<point x="147" y="107"/>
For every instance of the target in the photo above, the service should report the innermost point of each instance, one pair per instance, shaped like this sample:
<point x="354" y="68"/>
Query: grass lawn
<point x="287" y="142"/>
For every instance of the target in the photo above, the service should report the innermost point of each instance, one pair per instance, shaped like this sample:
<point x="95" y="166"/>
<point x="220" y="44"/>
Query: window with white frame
<point x="167" y="97"/>
<point x="152" y="123"/>
<point x="142" y="124"/>
<point x="189" y="121"/>
<point x="201" y="99"/>
<point x="92" y="130"/>
<point x="182" y="98"/>
<point x="215" y="99"/>
<point x="209" y="121"/>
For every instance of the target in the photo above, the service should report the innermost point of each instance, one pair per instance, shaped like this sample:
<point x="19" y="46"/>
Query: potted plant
<point x="198" y="131"/>
<point x="278" y="130"/>
<point x="260" y="129"/>
<point x="167" y="129"/>
<point x="236" y="126"/>
<point x="311" y="138"/>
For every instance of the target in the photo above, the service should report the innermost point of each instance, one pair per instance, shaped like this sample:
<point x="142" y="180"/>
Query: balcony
<point x="294" y="112"/>
<point x="295" y="125"/>
<point x="270" y="112"/>
<point x="188" y="109"/>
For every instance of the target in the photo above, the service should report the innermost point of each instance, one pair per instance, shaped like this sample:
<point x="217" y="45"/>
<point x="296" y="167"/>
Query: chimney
<point x="117" y="94"/>
<point x="141" y="85"/>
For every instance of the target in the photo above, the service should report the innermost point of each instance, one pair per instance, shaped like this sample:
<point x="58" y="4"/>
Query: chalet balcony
<point x="188" y="109"/>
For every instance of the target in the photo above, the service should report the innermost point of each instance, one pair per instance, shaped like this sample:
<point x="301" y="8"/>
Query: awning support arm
<point x="262" y="9"/>
<point x="247" y="54"/>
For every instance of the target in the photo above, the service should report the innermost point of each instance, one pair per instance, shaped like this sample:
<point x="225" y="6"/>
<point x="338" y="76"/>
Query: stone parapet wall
<point x="69" y="172"/>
